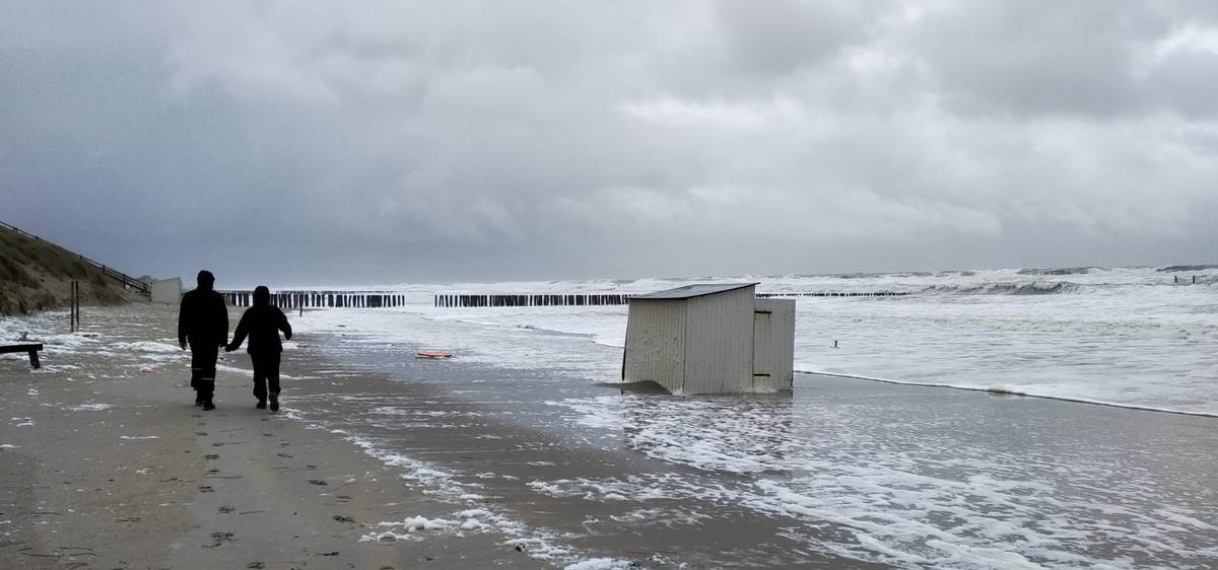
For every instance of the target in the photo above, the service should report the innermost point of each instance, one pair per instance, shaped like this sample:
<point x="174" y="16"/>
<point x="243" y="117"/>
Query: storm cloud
<point x="384" y="142"/>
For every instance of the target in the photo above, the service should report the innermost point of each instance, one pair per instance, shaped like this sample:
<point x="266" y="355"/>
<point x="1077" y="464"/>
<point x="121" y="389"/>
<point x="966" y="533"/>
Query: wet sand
<point x="1134" y="487"/>
<point x="105" y="466"/>
<point x="151" y="481"/>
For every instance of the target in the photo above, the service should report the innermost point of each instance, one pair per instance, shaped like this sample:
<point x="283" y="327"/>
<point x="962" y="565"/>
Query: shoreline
<point x="1013" y="394"/>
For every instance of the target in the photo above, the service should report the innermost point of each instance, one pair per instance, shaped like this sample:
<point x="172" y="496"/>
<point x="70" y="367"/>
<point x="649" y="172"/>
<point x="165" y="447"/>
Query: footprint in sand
<point x="317" y="482"/>
<point x="219" y="538"/>
<point x="211" y="456"/>
<point x="343" y="519"/>
<point x="285" y="455"/>
<point x="206" y="489"/>
<point x="255" y="565"/>
<point x="200" y="433"/>
<point x="226" y="510"/>
<point x="212" y="471"/>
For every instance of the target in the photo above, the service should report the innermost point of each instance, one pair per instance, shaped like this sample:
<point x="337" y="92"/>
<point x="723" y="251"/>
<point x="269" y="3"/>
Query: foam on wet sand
<point x="382" y="461"/>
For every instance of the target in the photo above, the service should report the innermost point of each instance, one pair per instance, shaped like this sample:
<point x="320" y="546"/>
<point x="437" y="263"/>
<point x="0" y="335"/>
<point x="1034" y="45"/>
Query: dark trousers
<point x="266" y="375"/>
<point x="203" y="370"/>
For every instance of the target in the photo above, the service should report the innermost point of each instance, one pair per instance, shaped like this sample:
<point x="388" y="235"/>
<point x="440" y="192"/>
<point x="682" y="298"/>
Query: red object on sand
<point x="434" y="354"/>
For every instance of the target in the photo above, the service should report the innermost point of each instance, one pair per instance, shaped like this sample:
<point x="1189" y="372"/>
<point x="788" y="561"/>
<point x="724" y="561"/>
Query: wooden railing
<point x="127" y="280"/>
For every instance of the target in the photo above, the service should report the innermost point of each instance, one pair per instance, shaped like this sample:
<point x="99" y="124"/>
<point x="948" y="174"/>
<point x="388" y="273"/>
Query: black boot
<point x="274" y="402"/>
<point x="207" y="389"/>
<point x="261" y="405"/>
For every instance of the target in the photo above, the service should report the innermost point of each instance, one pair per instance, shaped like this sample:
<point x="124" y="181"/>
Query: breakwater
<point x="378" y="299"/>
<point x="320" y="299"/>
<point x="529" y="300"/>
<point x="551" y="300"/>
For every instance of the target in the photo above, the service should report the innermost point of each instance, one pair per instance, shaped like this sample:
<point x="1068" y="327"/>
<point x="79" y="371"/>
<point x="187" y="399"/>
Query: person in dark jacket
<point x="262" y="322"/>
<point x="203" y="322"/>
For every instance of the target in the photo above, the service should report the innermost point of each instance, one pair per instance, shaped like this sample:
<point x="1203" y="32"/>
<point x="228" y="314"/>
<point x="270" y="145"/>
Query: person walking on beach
<point x="203" y="322"/>
<point x="262" y="322"/>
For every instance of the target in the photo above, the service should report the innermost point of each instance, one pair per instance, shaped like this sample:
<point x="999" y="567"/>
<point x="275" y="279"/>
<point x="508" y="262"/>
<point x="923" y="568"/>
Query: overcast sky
<point x="289" y="142"/>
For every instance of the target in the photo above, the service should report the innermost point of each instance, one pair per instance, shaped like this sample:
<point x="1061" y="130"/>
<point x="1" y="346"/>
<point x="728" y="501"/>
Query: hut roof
<point x="695" y="290"/>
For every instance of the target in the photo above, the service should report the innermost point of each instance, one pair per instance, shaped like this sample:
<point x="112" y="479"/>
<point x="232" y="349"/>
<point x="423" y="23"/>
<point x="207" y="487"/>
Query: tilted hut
<point x="711" y="339"/>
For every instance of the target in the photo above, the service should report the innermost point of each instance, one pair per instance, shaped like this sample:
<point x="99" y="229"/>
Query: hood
<point x="262" y="295"/>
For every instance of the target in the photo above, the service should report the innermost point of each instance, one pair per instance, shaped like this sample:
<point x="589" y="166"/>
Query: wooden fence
<point x="128" y="281"/>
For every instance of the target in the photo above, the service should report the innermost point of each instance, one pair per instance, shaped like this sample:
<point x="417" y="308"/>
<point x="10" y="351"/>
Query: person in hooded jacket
<point x="262" y="323"/>
<point x="203" y="323"/>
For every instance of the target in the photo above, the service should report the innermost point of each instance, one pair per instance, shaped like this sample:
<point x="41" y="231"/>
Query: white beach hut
<point x="168" y="291"/>
<point x="711" y="339"/>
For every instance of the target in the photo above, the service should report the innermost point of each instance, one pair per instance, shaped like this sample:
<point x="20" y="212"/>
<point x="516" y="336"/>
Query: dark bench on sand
<point x="30" y="348"/>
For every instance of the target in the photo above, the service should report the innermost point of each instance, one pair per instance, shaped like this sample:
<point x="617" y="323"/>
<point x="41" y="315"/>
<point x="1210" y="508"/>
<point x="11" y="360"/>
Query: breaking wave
<point x="1034" y="288"/>
<point x="1058" y="271"/>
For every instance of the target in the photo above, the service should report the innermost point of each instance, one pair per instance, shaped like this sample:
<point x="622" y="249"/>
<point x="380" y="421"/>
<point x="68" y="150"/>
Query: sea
<point x="1137" y="337"/>
<point x="920" y="492"/>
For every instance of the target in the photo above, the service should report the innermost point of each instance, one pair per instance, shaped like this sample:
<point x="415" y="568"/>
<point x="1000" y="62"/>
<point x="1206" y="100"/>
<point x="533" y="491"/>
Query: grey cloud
<point x="399" y="141"/>
<point x="1089" y="58"/>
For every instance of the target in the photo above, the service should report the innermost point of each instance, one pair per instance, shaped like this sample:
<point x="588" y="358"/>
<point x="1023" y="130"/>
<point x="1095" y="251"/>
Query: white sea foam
<point x="148" y="347"/>
<point x="1123" y="336"/>
<point x="602" y="564"/>
<point x="906" y="500"/>
<point x="90" y="407"/>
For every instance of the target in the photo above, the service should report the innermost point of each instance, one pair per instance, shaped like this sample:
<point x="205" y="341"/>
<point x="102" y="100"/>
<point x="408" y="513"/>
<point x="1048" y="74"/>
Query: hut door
<point x="763" y="360"/>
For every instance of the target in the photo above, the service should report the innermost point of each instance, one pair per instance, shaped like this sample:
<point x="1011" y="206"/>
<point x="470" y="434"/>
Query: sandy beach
<point x="105" y="466"/>
<point x="380" y="461"/>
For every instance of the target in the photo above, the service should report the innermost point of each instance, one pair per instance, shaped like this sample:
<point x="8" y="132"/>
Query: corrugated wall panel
<point x="719" y="343"/>
<point x="655" y="343"/>
<point x="774" y="345"/>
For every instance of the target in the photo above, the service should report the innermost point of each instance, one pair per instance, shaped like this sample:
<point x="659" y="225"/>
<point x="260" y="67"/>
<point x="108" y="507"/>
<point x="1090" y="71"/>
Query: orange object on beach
<point x="434" y="354"/>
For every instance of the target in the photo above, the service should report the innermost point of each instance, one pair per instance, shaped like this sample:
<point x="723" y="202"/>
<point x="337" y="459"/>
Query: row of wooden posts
<point x="545" y="300"/>
<point x="376" y="299"/>
<point x="319" y="299"/>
